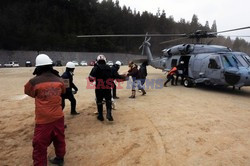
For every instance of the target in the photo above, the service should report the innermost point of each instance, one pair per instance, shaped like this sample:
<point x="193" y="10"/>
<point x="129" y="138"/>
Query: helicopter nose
<point x="232" y="78"/>
<point x="245" y="77"/>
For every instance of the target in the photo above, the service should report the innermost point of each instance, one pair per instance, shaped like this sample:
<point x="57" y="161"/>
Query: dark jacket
<point x="134" y="72"/>
<point x="101" y="73"/>
<point x="143" y="71"/>
<point x="114" y="71"/>
<point x="67" y="75"/>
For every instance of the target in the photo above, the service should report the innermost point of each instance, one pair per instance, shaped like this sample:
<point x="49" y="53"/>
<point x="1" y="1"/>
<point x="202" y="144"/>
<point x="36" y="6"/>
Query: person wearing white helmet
<point x="68" y="78"/>
<point x="42" y="62"/>
<point x="47" y="87"/>
<point x="101" y="74"/>
<point x="101" y="58"/>
<point x="180" y="72"/>
<point x="117" y="76"/>
<point x="118" y="63"/>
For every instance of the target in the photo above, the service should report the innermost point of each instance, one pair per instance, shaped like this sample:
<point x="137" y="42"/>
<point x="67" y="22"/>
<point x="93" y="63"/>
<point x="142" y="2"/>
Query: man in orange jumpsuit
<point x="170" y="76"/>
<point x="46" y="87"/>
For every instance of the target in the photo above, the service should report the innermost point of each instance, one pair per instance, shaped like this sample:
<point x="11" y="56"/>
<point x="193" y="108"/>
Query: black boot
<point x="73" y="106"/>
<point x="114" y="92"/>
<point x="143" y="91"/>
<point x="57" y="161"/>
<point x="100" y="112"/>
<point x="74" y="113"/>
<point x="133" y="95"/>
<point x="109" y="109"/>
<point x="109" y="115"/>
<point x="165" y="84"/>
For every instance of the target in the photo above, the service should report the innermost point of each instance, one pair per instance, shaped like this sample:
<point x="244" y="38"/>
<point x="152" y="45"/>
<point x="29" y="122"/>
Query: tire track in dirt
<point x="155" y="137"/>
<point x="121" y="155"/>
<point x="158" y="140"/>
<point x="154" y="143"/>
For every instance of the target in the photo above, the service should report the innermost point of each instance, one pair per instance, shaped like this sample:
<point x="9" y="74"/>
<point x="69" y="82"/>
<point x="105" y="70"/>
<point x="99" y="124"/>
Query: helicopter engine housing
<point x="179" y="49"/>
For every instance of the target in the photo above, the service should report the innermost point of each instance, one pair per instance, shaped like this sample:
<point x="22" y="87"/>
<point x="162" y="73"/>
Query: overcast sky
<point x="229" y="14"/>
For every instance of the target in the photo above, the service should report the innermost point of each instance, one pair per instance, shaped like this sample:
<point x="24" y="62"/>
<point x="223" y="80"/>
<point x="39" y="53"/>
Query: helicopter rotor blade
<point x="132" y="35"/>
<point x="146" y="36"/>
<point x="232" y="36"/>
<point x="199" y="34"/>
<point x="230" y="30"/>
<point x="148" y="39"/>
<point x="169" y="41"/>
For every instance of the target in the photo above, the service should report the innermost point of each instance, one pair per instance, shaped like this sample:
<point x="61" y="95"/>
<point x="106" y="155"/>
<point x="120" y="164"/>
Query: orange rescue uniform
<point x="46" y="89"/>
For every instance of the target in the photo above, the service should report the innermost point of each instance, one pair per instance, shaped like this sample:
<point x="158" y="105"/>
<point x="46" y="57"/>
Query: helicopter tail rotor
<point x="146" y="41"/>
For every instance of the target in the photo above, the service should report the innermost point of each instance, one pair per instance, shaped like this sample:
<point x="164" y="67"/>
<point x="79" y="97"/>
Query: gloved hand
<point x="74" y="91"/>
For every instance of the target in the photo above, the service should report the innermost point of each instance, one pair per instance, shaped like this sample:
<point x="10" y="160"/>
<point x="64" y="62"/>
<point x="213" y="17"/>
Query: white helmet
<point x="43" y="60"/>
<point x="70" y="65"/>
<point x="101" y="57"/>
<point x="118" y="63"/>
<point x="182" y="62"/>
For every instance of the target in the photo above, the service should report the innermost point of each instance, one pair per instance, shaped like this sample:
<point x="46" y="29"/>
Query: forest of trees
<point x="53" y="25"/>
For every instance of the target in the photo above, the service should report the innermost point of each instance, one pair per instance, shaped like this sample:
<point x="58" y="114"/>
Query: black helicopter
<point x="201" y="63"/>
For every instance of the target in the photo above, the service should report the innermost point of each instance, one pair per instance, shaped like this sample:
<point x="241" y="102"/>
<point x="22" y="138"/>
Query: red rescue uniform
<point x="47" y="89"/>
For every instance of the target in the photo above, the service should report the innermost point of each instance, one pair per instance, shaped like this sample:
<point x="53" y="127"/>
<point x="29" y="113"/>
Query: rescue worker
<point x="143" y="72"/>
<point x="101" y="74"/>
<point x="46" y="87"/>
<point x="180" y="72"/>
<point x="134" y="73"/>
<point x="115" y="75"/>
<point x="68" y="80"/>
<point x="170" y="76"/>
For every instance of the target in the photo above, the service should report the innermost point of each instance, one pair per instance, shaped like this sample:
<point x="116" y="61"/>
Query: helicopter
<point x="201" y="63"/>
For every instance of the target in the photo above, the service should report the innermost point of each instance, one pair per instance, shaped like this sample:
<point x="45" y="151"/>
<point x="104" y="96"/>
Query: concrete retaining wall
<point x="22" y="56"/>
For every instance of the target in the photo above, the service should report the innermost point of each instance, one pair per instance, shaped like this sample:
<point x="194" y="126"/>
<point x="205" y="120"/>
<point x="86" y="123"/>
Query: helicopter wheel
<point x="188" y="82"/>
<point x="207" y="83"/>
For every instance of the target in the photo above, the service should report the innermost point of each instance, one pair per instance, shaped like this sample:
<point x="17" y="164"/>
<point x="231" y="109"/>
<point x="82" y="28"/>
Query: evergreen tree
<point x="214" y="27"/>
<point x="54" y="25"/>
<point x="207" y="28"/>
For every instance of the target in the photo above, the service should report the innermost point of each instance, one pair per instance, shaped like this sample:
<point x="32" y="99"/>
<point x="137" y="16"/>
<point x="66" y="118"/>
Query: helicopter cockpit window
<point x="174" y="62"/>
<point x="247" y="58"/>
<point x="213" y="64"/>
<point x="230" y="61"/>
<point x="243" y="59"/>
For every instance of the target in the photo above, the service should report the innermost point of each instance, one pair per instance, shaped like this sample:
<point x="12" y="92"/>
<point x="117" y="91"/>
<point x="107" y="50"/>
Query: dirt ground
<point x="173" y="125"/>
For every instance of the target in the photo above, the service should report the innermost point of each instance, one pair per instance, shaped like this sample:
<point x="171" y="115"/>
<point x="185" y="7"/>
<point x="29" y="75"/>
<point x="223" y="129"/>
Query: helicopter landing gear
<point x="188" y="82"/>
<point x="234" y="88"/>
<point x="207" y="83"/>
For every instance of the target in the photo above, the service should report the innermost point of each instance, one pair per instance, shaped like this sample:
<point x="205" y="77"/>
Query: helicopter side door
<point x="196" y="68"/>
<point x="197" y="65"/>
<point x="214" y="69"/>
